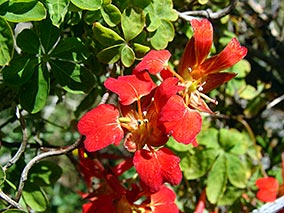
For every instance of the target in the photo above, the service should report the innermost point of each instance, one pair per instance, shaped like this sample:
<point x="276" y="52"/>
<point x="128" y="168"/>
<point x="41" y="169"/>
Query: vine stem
<point x="55" y="152"/>
<point x="188" y="15"/>
<point x="10" y="200"/>
<point x="23" y="146"/>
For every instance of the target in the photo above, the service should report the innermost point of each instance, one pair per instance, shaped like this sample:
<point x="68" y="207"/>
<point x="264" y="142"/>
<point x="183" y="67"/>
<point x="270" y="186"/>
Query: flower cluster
<point x="148" y="114"/>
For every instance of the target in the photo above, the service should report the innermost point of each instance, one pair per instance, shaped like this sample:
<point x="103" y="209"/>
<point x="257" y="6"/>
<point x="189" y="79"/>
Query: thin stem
<point x="38" y="158"/>
<point x="23" y="146"/>
<point x="10" y="201"/>
<point x="208" y="13"/>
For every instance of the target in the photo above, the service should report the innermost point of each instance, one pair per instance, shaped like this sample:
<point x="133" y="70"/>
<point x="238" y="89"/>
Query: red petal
<point x="155" y="61"/>
<point x="268" y="189"/>
<point x="232" y="54"/>
<point x="157" y="167"/>
<point x="216" y="79"/>
<point x="101" y="127"/>
<point x="198" y="47"/>
<point x="129" y="88"/>
<point x="164" y="201"/>
<point x="167" y="89"/>
<point x="180" y="121"/>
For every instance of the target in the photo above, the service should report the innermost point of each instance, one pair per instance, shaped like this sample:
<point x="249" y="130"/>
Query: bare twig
<point x="23" y="146"/>
<point x="40" y="157"/>
<point x="208" y="13"/>
<point x="10" y="200"/>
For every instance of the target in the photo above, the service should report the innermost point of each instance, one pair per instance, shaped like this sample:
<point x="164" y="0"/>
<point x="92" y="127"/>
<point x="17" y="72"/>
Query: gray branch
<point x="208" y="13"/>
<point x="55" y="152"/>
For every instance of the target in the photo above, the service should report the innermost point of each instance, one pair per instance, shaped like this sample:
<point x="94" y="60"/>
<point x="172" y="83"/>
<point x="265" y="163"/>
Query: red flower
<point x="194" y="63"/>
<point x="268" y="189"/>
<point x="180" y="121"/>
<point x="163" y="201"/>
<point x="155" y="61"/>
<point x="156" y="167"/>
<point x="129" y="88"/>
<point x="96" y="126"/>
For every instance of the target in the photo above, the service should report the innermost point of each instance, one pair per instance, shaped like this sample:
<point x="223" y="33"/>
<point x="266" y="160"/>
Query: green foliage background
<point x="56" y="54"/>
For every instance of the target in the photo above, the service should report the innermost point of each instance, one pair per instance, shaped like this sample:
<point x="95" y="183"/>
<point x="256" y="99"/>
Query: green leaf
<point x="20" y="71"/>
<point x="111" y="14"/>
<point x="217" y="179"/>
<point x="88" y="4"/>
<point x="236" y="171"/>
<point x="164" y="34"/>
<point x="127" y="56"/>
<point x="28" y="41"/>
<point x="45" y="173"/>
<point x="179" y="147"/>
<point x="242" y="68"/>
<point x="132" y="23"/>
<point x="6" y="42"/>
<point x="69" y="49"/>
<point x="106" y="36"/>
<point x="72" y="77"/>
<point x="35" y="197"/>
<point x="57" y="10"/>
<point x="2" y="175"/>
<point x="209" y="138"/>
<point x="233" y="141"/>
<point x="24" y="11"/>
<point x="230" y="196"/>
<point x="48" y="35"/>
<point x="197" y="165"/>
<point x="34" y="93"/>
<point x="111" y="54"/>
<point x="92" y="16"/>
<point x="153" y="22"/>
<point x="140" y="50"/>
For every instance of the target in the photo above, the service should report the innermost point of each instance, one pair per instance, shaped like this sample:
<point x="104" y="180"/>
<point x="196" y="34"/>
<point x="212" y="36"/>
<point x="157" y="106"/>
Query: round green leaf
<point x="92" y="16"/>
<point x="16" y="14"/>
<point x="127" y="56"/>
<point x="88" y="4"/>
<point x="164" y="34"/>
<point x="2" y="176"/>
<point x="132" y="23"/>
<point x="236" y="171"/>
<point x="140" y="50"/>
<point x="217" y="179"/>
<point x="197" y="165"/>
<point x="6" y="42"/>
<point x="111" y="14"/>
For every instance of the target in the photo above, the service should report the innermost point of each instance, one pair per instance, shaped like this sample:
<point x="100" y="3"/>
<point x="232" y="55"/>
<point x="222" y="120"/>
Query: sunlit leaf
<point x="236" y="171"/>
<point x="163" y="35"/>
<point x="111" y="14"/>
<point x="57" y="10"/>
<point x="106" y="36"/>
<point x="16" y="13"/>
<point x="132" y="23"/>
<point x="217" y="179"/>
<point x="230" y="196"/>
<point x="6" y="42"/>
<point x="127" y="56"/>
<point x="88" y="4"/>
